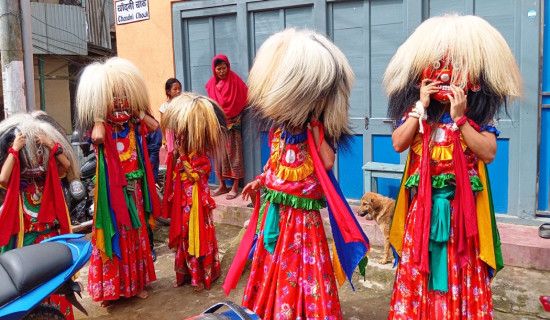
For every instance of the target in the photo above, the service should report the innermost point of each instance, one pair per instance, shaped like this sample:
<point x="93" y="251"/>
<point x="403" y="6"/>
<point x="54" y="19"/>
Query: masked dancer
<point x="113" y="106"/>
<point x="446" y="84"/>
<point x="35" y="155"/>
<point x="300" y="83"/>
<point x="199" y="127"/>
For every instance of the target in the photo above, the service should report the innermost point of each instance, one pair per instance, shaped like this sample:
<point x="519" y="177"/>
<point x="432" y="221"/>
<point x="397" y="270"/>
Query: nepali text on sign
<point x="131" y="11"/>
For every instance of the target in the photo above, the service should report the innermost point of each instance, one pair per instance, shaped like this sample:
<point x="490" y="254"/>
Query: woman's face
<point x="221" y="71"/>
<point x="174" y="91"/>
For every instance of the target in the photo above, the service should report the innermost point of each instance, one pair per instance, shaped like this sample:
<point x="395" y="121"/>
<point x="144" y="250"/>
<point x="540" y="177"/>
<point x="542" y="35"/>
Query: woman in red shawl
<point x="226" y="88"/>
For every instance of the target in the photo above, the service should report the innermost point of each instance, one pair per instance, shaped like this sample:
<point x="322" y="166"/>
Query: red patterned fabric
<point x="53" y="200"/>
<point x="206" y="268"/>
<point x="168" y="186"/>
<point x="110" y="279"/>
<point x="469" y="292"/>
<point x="117" y="181"/>
<point x="128" y="275"/>
<point x="9" y="214"/>
<point x="297" y="281"/>
<point x="422" y="239"/>
<point x="469" y="296"/>
<point x="465" y="203"/>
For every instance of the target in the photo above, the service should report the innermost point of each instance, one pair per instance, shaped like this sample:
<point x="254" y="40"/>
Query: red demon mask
<point x="442" y="71"/>
<point x="121" y="111"/>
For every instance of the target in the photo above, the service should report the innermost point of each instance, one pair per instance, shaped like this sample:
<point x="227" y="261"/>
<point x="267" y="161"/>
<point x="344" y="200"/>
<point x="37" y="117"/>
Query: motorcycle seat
<point x="23" y="269"/>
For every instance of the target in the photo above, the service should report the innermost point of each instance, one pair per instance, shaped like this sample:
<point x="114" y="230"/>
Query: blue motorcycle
<point x="30" y="274"/>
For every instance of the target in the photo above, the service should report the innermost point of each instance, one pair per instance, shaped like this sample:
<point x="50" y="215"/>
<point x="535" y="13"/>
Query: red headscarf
<point x="229" y="93"/>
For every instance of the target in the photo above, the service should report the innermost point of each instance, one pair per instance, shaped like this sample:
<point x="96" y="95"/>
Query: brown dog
<point x="380" y="209"/>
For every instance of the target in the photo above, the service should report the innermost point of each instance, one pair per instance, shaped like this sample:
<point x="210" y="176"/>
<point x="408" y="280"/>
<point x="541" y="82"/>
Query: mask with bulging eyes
<point x="442" y="71"/>
<point x="35" y="169"/>
<point x="121" y="111"/>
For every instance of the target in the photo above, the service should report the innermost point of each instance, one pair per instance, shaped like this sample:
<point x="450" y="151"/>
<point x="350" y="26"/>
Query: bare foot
<point x="143" y="294"/>
<point x="104" y="303"/>
<point x="198" y="287"/>
<point x="181" y="279"/>
<point x="220" y="190"/>
<point x="232" y="195"/>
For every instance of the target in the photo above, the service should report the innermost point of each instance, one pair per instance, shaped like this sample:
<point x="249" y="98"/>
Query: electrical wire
<point x="103" y="5"/>
<point x="59" y="56"/>
<point x="54" y="27"/>
<point x="39" y="37"/>
<point x="58" y="47"/>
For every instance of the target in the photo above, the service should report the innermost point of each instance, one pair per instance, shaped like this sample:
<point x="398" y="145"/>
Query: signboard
<point x="131" y="11"/>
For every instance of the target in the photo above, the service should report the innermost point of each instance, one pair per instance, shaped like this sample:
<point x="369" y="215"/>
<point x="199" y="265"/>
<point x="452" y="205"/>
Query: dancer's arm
<point x="326" y="153"/>
<point x="7" y="167"/>
<point x="98" y="132"/>
<point x="63" y="163"/>
<point x="483" y="144"/>
<point x="402" y="137"/>
<point x="252" y="187"/>
<point x="150" y="123"/>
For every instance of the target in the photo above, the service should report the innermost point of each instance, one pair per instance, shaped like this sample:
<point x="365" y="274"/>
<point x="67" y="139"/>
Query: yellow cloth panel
<point x="194" y="238"/>
<point x="338" y="271"/>
<point x="484" y="223"/>
<point x="397" y="231"/>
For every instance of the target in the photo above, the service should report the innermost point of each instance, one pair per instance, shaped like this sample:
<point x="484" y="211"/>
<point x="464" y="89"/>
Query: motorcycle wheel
<point x="45" y="312"/>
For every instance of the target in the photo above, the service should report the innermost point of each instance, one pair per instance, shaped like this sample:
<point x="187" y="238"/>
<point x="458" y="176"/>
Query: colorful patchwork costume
<point x="199" y="126"/>
<point x="444" y="232"/>
<point x="109" y="97"/>
<point x="297" y="78"/>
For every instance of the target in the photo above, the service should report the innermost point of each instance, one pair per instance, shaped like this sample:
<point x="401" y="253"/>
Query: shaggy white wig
<point x="31" y="126"/>
<point x="298" y="74"/>
<point x="101" y="83"/>
<point x="475" y="48"/>
<point x="199" y="120"/>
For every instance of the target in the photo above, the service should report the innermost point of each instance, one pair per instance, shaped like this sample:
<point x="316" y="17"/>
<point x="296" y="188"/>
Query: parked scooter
<point x="31" y="274"/>
<point x="80" y="198"/>
<point x="79" y="194"/>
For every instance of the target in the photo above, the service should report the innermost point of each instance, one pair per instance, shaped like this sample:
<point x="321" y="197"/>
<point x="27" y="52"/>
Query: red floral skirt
<point x="469" y="291"/>
<point x="189" y="268"/>
<point x="132" y="272"/>
<point x="297" y="281"/>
